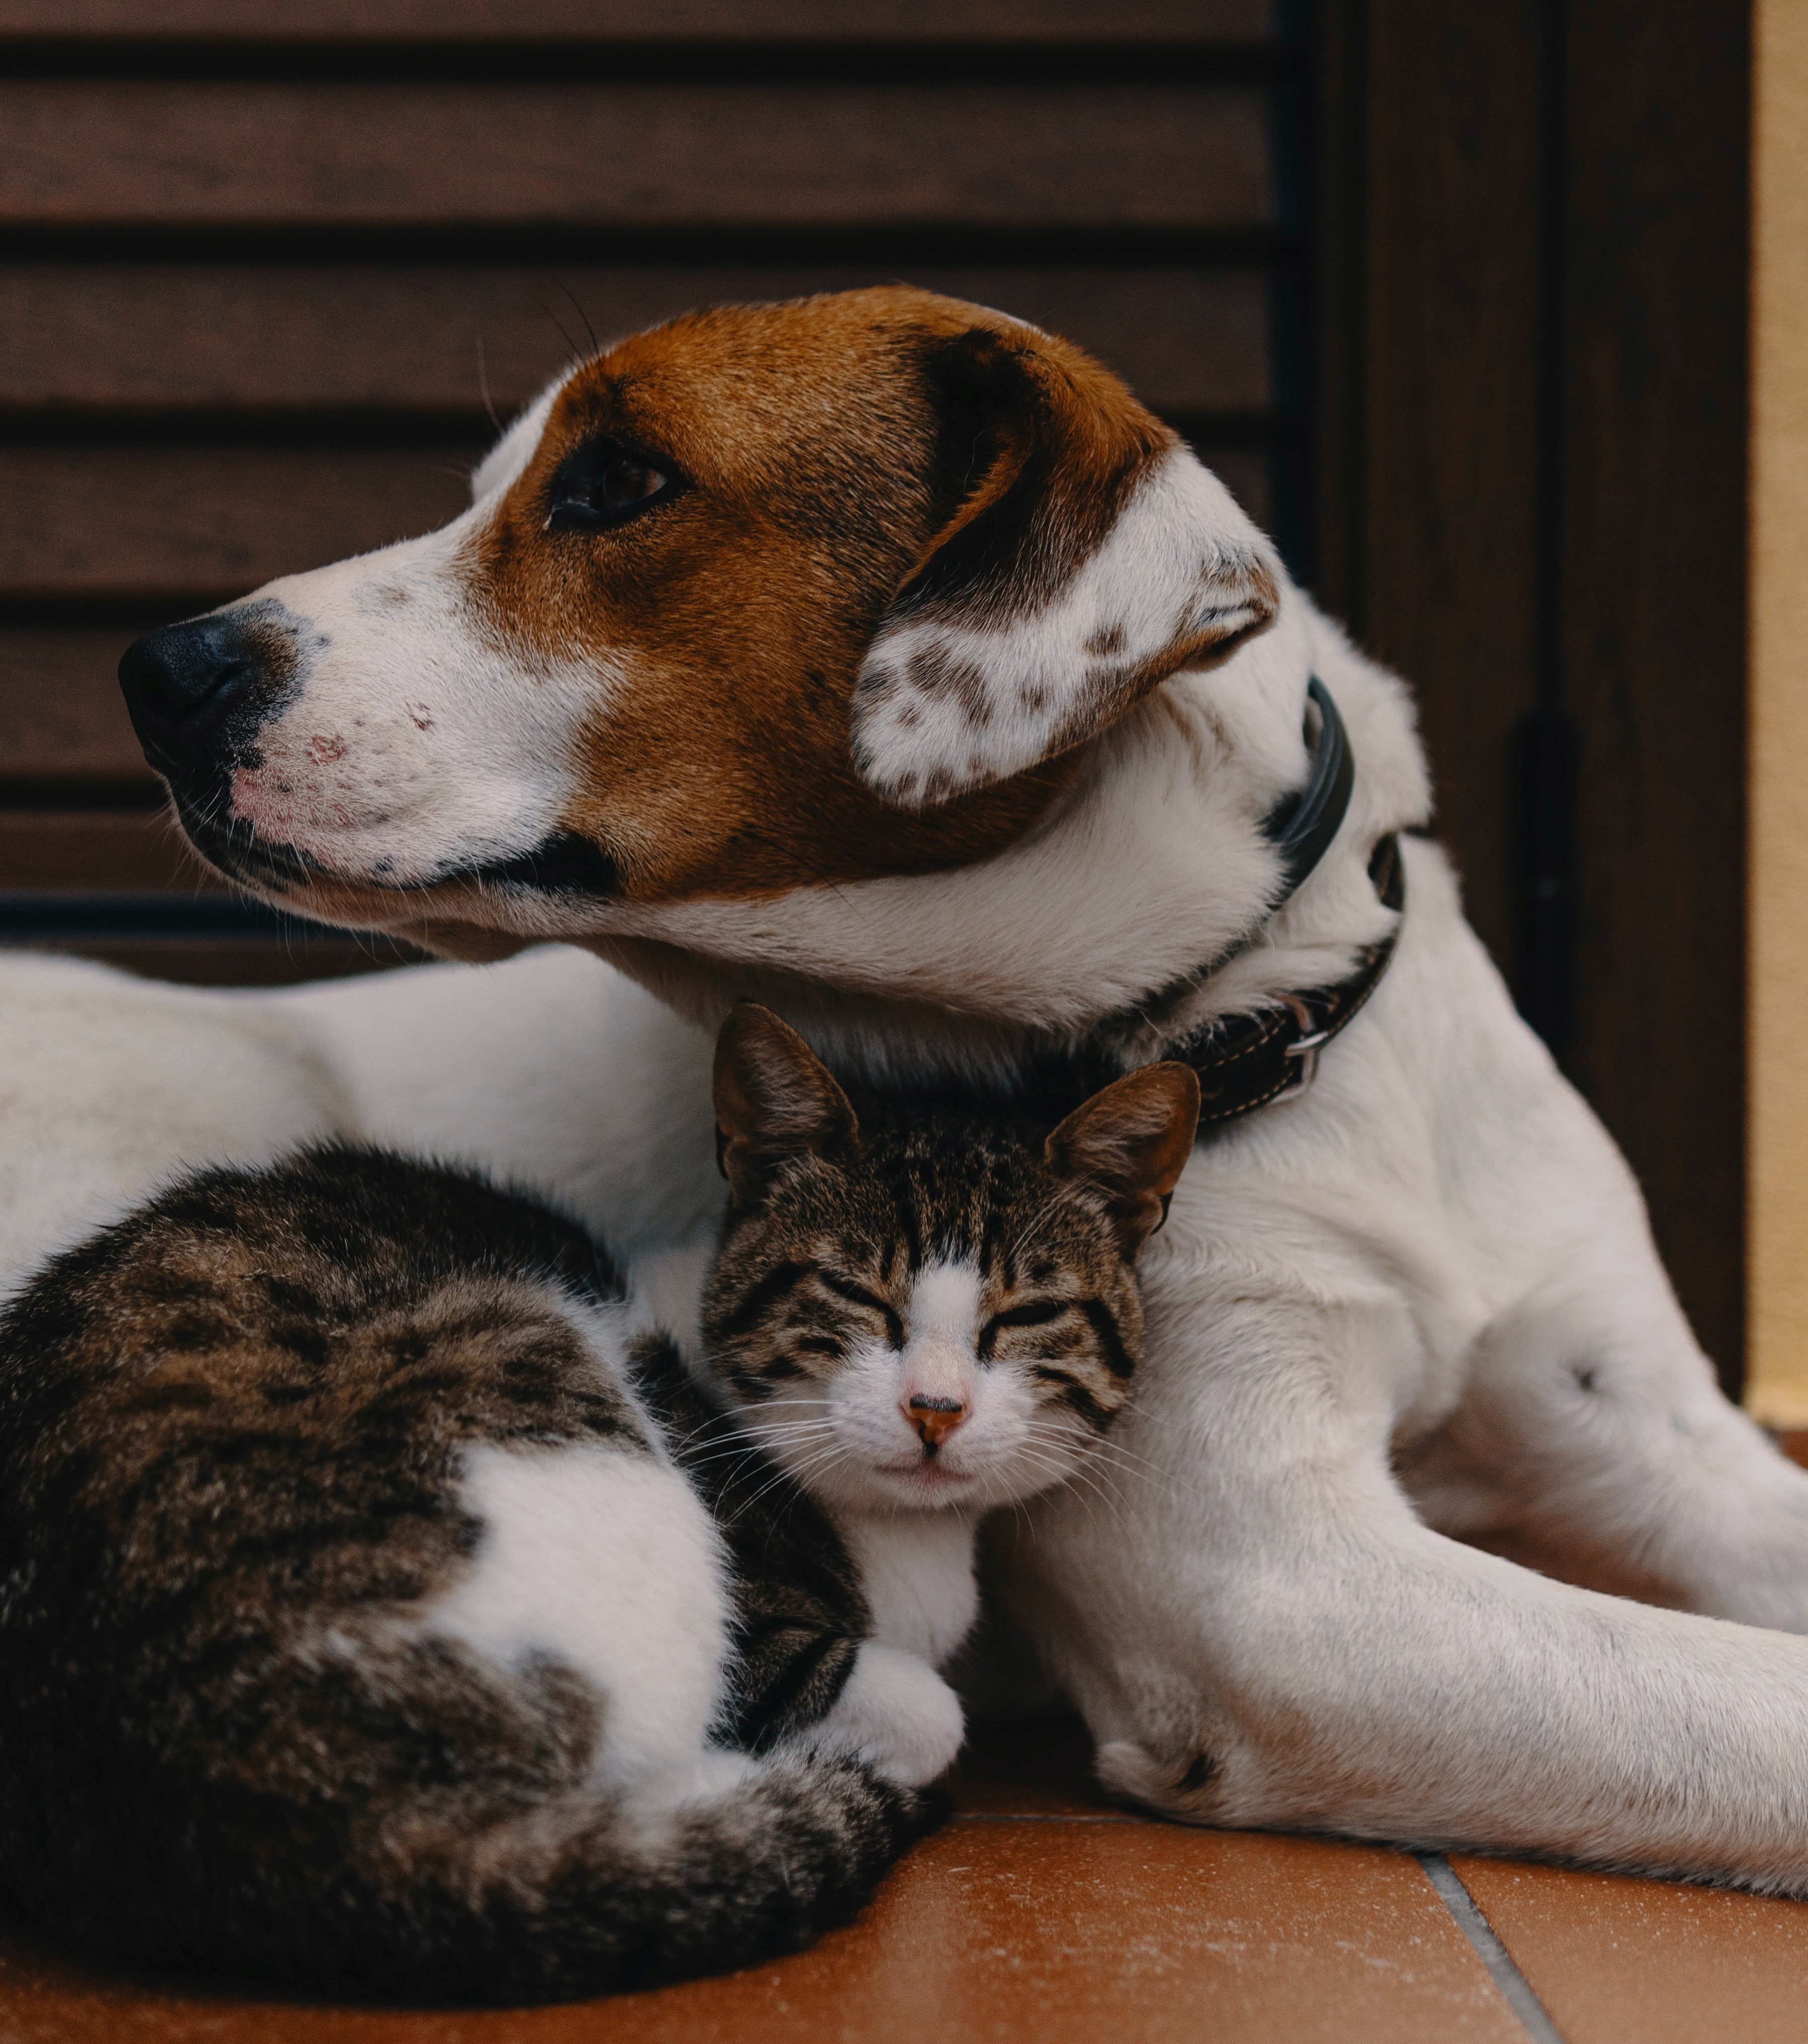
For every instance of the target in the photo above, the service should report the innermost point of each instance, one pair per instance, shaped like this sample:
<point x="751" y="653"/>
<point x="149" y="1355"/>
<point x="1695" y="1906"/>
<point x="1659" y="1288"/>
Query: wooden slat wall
<point x="300" y="24"/>
<point x="418" y="339"/>
<point x="601" y="157"/>
<point x="267" y="266"/>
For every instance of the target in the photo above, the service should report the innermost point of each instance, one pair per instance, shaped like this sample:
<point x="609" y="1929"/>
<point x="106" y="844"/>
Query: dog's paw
<point x="895" y="1714"/>
<point x="1185" y="1787"/>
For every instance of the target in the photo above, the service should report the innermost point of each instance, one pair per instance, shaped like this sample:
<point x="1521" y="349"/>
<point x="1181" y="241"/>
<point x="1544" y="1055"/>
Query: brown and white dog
<point x="880" y="657"/>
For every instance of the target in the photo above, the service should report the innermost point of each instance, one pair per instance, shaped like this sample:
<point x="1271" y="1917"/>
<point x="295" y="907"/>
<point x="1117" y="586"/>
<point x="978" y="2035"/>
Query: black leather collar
<point x="1301" y="826"/>
<point x="1246" y="1060"/>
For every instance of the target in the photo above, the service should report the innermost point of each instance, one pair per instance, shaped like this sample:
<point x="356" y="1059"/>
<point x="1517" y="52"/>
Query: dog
<point x="881" y="657"/>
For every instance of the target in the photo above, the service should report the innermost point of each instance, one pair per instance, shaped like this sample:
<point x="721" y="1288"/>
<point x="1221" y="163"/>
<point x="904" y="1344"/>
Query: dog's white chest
<point x="917" y="1569"/>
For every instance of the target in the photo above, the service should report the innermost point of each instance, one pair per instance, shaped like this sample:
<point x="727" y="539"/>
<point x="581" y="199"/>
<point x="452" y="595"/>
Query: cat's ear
<point x="1131" y="1142"/>
<point x="1081" y="555"/>
<point x="775" y="1099"/>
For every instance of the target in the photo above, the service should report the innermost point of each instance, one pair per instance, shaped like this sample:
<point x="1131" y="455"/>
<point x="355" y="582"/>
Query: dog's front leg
<point x="1261" y="1632"/>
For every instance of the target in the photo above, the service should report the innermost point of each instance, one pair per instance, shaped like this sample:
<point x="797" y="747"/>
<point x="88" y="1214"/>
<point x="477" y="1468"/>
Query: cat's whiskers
<point x="729" y="1447"/>
<point x="757" y="1452"/>
<point x="1058" y="1468"/>
<point x="1131" y="1463"/>
<point x="1088" y="1492"/>
<point x="742" y="1451"/>
<point x="792" y="1478"/>
<point x="768" y="1430"/>
<point x="791" y="1430"/>
<point x="758" y="1424"/>
<point x="822" y="1455"/>
<point x="1081" y="1473"/>
<point x="718" y="1424"/>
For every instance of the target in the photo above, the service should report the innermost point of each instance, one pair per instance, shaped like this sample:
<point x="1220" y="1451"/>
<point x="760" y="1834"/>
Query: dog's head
<point x="768" y="598"/>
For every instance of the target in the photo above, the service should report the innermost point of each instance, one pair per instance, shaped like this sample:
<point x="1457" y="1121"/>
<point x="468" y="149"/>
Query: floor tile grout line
<point x="1462" y="1905"/>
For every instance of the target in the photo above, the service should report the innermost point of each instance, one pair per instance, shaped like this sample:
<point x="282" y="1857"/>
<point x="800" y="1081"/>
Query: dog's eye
<point x="627" y="481"/>
<point x="602" y="485"/>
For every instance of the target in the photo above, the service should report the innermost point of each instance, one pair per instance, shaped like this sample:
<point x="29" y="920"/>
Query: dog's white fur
<point x="1419" y="1307"/>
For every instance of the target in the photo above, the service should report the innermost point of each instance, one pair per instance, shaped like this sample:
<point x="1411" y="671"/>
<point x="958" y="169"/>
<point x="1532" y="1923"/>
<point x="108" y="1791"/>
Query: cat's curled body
<point x="356" y="1625"/>
<point x="378" y="1613"/>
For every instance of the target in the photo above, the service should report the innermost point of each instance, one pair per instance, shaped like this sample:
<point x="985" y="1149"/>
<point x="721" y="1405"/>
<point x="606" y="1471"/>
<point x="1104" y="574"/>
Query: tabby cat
<point x="920" y="1312"/>
<point x="379" y="1612"/>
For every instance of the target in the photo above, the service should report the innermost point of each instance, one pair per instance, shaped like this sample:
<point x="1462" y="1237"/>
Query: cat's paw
<point x="895" y="1714"/>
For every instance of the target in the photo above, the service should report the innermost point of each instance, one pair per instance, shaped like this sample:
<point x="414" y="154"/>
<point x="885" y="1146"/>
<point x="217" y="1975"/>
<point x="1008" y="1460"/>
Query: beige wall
<point x="1778" y="1175"/>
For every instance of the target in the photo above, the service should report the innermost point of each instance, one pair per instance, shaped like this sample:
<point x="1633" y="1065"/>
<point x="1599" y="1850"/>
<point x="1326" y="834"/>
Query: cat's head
<point x="930" y="1307"/>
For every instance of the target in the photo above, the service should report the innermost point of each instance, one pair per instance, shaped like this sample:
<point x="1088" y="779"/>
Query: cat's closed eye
<point x="857" y="1295"/>
<point x="1032" y="1313"/>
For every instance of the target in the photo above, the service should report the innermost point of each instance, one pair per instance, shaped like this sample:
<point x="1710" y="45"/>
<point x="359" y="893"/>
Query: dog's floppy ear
<point x="775" y="1100"/>
<point x="1082" y="555"/>
<point x="1131" y="1142"/>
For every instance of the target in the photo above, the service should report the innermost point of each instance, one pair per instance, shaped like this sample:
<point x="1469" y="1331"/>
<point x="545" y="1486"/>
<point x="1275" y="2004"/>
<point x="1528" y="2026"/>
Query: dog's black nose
<point x="182" y="684"/>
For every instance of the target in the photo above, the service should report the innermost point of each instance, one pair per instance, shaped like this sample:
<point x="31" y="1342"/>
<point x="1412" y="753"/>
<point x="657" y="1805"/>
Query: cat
<point x="921" y="1312"/>
<point x="381" y="1611"/>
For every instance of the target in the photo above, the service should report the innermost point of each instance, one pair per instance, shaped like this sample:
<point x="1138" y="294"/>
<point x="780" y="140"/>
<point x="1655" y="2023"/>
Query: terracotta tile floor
<point x="1038" y="1913"/>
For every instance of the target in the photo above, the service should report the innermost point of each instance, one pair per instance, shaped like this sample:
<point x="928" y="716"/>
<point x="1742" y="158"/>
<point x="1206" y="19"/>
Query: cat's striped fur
<point x="806" y="1280"/>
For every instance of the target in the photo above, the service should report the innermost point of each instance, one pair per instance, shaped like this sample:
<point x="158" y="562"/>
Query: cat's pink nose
<point x="935" y="1419"/>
